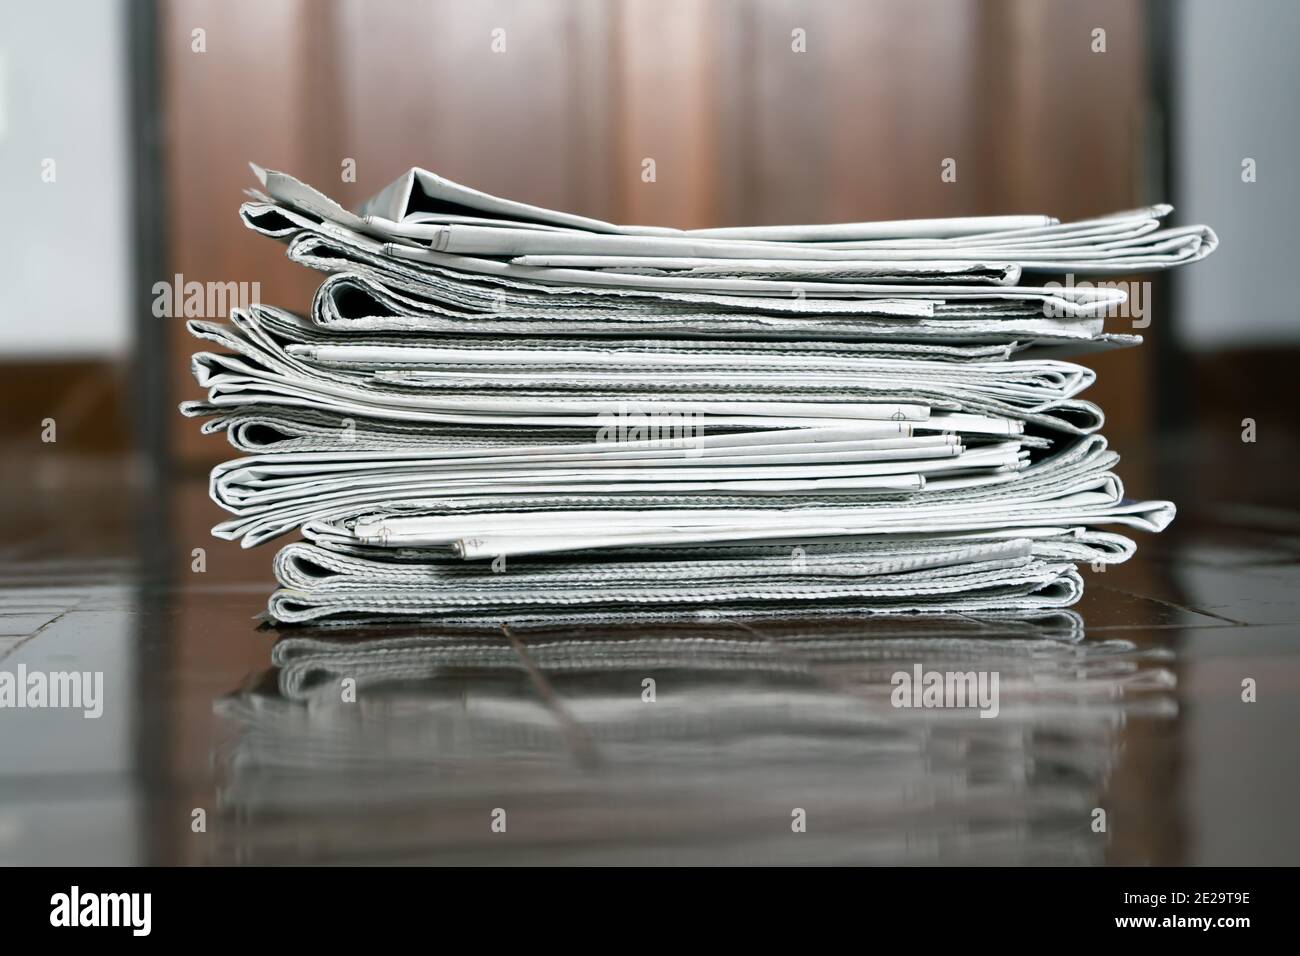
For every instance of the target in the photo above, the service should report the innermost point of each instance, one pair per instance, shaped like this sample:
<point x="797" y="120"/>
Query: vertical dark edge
<point x="1170" y="362"/>
<point x="737" y="160"/>
<point x="1171" y="400"/>
<point x="150" y="403"/>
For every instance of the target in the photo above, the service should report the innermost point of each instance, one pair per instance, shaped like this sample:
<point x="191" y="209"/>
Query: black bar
<point x="983" y="907"/>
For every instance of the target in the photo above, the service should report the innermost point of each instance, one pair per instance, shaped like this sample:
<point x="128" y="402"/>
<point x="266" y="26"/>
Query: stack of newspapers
<point x="499" y="413"/>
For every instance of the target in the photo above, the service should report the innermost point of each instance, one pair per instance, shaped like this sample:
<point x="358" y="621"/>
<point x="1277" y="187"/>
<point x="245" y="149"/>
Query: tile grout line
<point x="1180" y="607"/>
<point x="34" y="634"/>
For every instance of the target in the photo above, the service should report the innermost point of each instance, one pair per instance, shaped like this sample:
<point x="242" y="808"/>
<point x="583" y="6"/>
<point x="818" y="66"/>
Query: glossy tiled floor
<point x="219" y="745"/>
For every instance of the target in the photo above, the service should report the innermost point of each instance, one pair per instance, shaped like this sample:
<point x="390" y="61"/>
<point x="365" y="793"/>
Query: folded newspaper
<point x="497" y="413"/>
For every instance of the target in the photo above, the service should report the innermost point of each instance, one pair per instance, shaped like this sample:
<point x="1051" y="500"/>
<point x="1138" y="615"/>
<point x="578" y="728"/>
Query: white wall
<point x="64" y="246"/>
<point x="1239" y="73"/>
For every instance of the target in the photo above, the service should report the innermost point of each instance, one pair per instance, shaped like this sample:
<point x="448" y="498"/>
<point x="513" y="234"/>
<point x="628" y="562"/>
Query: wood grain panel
<point x="421" y="85"/>
<point x="742" y="128"/>
<point x="243" y="99"/>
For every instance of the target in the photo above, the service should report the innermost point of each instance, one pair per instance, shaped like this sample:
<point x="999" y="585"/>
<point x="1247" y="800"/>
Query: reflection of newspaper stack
<point x="553" y="725"/>
<point x="501" y="412"/>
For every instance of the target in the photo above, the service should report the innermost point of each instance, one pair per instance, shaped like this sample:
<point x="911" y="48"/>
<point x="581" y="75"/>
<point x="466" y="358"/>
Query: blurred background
<point x="126" y="129"/>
